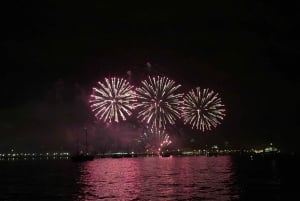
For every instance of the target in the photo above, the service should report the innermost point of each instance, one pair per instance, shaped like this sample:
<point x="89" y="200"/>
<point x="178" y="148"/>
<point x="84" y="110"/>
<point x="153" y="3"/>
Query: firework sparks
<point x="158" y="102"/>
<point x="202" y="109"/>
<point x="155" y="139"/>
<point x="113" y="100"/>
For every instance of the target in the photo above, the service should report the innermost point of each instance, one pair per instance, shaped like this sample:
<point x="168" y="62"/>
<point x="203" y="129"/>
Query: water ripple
<point x="149" y="178"/>
<point x="158" y="179"/>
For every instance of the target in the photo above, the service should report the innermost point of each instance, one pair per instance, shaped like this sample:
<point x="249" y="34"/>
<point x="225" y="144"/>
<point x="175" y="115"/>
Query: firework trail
<point x="158" y="102"/>
<point x="202" y="109"/>
<point x="112" y="100"/>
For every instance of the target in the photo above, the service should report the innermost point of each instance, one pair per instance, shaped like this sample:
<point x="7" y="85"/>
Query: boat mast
<point x="86" y="143"/>
<point x="77" y="145"/>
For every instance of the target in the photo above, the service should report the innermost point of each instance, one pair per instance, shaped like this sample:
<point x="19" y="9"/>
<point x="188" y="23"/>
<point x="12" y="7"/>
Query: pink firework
<point x="155" y="139"/>
<point x="158" y="102"/>
<point x="112" y="100"/>
<point x="202" y="109"/>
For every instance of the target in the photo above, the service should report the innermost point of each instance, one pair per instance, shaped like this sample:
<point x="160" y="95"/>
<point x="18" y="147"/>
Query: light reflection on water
<point x="153" y="178"/>
<point x="149" y="178"/>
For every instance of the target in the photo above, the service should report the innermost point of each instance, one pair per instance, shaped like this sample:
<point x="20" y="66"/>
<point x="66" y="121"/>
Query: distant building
<point x="271" y="148"/>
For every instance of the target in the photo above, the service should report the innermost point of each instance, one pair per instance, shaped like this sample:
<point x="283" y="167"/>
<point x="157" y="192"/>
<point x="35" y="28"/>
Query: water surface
<point x="142" y="178"/>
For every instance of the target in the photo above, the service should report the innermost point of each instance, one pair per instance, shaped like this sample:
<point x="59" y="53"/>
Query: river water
<point x="141" y="178"/>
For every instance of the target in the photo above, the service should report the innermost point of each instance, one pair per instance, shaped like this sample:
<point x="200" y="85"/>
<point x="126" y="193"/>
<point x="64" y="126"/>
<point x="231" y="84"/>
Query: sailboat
<point x="82" y="156"/>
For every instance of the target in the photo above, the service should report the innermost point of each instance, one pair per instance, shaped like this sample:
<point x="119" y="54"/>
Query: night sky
<point x="53" y="53"/>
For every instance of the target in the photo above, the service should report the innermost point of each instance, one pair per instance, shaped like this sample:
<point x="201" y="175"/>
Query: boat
<point x="165" y="154"/>
<point x="82" y="156"/>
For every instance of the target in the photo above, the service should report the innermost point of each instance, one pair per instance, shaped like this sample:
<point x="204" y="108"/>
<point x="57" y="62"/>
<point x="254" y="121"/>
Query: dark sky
<point x="53" y="53"/>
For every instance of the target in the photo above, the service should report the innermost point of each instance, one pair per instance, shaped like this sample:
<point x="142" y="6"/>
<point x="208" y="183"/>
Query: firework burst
<point x="155" y="139"/>
<point x="202" y="109"/>
<point x="158" y="102"/>
<point x="112" y="100"/>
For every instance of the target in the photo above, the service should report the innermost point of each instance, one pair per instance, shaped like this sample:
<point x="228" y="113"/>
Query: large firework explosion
<point x="112" y="100"/>
<point x="202" y="109"/>
<point x="158" y="102"/>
